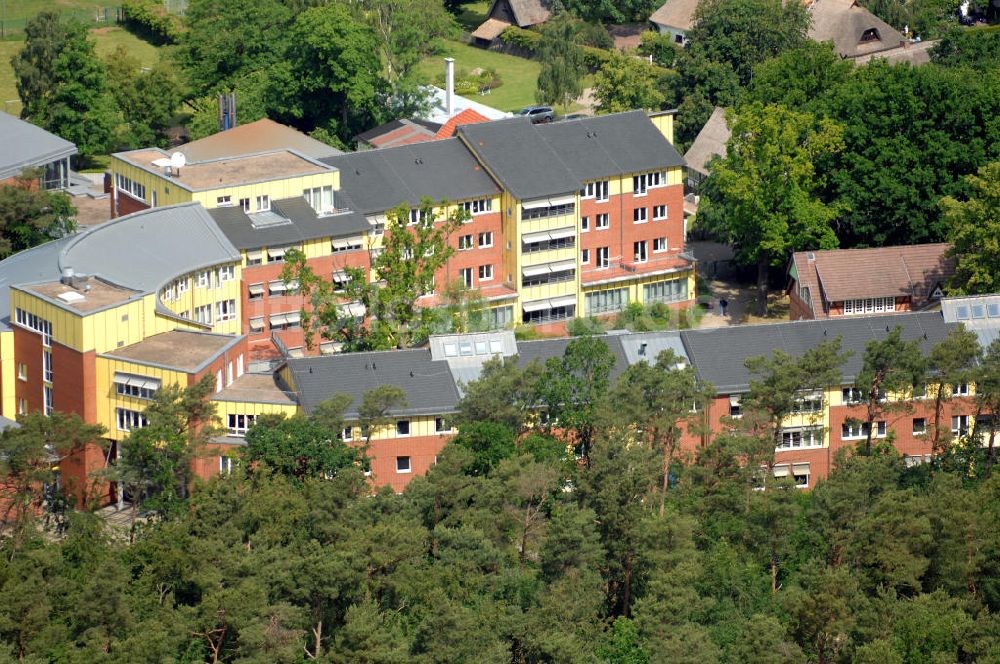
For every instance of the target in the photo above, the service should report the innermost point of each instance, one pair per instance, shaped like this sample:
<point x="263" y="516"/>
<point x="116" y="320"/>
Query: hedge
<point x="149" y="19"/>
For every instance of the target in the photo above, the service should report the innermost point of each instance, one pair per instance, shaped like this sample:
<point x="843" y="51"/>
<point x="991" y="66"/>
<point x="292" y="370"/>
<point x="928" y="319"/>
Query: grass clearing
<point x="106" y="40"/>
<point x="519" y="76"/>
<point x="472" y="14"/>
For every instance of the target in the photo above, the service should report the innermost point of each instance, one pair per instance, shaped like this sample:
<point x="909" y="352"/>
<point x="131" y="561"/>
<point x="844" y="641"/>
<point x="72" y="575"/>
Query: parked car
<point x="538" y="113"/>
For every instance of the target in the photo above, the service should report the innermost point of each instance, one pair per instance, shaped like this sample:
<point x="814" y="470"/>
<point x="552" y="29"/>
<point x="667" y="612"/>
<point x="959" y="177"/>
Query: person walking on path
<point x="723" y="303"/>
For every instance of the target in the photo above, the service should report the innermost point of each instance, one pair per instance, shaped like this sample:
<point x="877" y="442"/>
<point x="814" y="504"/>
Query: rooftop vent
<point x="71" y="297"/>
<point x="267" y="219"/>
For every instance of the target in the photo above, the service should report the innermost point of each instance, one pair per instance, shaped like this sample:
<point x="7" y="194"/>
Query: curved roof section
<point x="147" y="249"/>
<point x="33" y="265"/>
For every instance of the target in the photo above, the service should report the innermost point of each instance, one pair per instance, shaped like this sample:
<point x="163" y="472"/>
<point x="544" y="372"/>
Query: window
<point x="547" y="315"/>
<point x="639" y="215"/>
<point x="218" y="380"/>
<point x="418" y="215"/>
<point x="48" y="398"/>
<point x="803" y="437"/>
<point x="263" y="203"/>
<point x="129" y="419"/>
<point x="959" y="425"/>
<point x="347" y="434"/>
<point x="320" y="199"/>
<point x="549" y="245"/>
<point x="659" y="212"/>
<point x="238" y="425"/>
<point x="856" y="430"/>
<point x="22" y="371"/>
<point x="224" y="201"/>
<point x="36" y="324"/>
<point x="659" y="245"/>
<point x="658" y="179"/>
<point x="603" y="257"/>
<point x="605" y="301"/>
<point x="22" y="406"/>
<point x="480" y="206"/>
<point x="465" y="274"/>
<point x="809" y="403"/>
<point x="735" y="405"/>
<point x="962" y="390"/>
<point x="585" y="256"/>
<point x="584" y="224"/>
<point x="464" y="242"/>
<point x="402" y="427"/>
<point x="559" y="276"/>
<point x="598" y="190"/>
<point x="869" y="305"/>
<point x="204" y="279"/>
<point x="47" y="366"/>
<point x="639" y="251"/>
<point x="441" y="425"/>
<point x="486" y="239"/>
<point x="485" y="272"/>
<point x="203" y="314"/>
<point x="227" y="273"/>
<point x="130" y="187"/>
<point x="602" y="222"/>
<point x="919" y="426"/>
<point x="871" y="34"/>
<point x="402" y="464"/>
<point x="674" y="290"/>
<point x="245" y="204"/>
<point x="500" y="318"/>
<point x="852" y="395"/>
<point x="639" y="185"/>
<point x="255" y="257"/>
<point x="276" y="254"/>
<point x="255" y="291"/>
<point x="919" y="391"/>
<point x="226" y="465"/>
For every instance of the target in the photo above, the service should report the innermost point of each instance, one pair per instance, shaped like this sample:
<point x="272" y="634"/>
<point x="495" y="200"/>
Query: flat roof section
<point x="89" y="294"/>
<point x="230" y="171"/>
<point x="257" y="388"/>
<point x="178" y="349"/>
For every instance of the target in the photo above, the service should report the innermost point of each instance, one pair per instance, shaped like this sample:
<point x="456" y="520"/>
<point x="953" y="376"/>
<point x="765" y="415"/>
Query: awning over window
<point x="256" y="289"/>
<point x="257" y="324"/>
<point x="277" y="287"/>
<point x="546" y="268"/>
<point x="277" y="252"/>
<point x="133" y="380"/>
<point x="734" y="399"/>
<point x="341" y="277"/>
<point x="255" y="256"/>
<point x="355" y="309"/>
<point x="293" y="318"/>
<point x="562" y="200"/>
<point x="545" y="236"/>
<point x="278" y="320"/>
<point x="551" y="303"/>
<point x="343" y="243"/>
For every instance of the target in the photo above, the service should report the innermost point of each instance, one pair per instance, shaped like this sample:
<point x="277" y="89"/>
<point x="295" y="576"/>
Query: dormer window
<point x="870" y="35"/>
<point x="320" y="199"/>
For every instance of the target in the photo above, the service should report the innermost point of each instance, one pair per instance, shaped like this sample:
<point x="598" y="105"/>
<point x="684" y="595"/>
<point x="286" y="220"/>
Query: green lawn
<point x="106" y="40"/>
<point x="519" y="76"/>
<point x="473" y="14"/>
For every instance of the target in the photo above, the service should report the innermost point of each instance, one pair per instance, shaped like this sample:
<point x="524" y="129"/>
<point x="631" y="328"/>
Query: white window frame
<point x="603" y="258"/>
<point x="224" y="201"/>
<point x="237" y="424"/>
<point x="409" y="464"/>
<point x="660" y="212"/>
<point x="664" y="245"/>
<point x="639" y="185"/>
<point x="465" y="274"/>
<point x="598" y="218"/>
<point x="263" y="203"/>
<point x="486" y="273"/>
<point x="640" y="251"/>
<point x="409" y="428"/>
<point x="640" y="215"/>
<point x="585" y="256"/>
<point x="585" y="224"/>
<point x="488" y="236"/>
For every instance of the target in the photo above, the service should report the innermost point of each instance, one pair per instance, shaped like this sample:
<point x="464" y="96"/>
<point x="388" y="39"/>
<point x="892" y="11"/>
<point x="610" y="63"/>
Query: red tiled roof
<point x="405" y="135"/>
<point x="623" y="271"/>
<point x="468" y="116"/>
<point x="844" y="274"/>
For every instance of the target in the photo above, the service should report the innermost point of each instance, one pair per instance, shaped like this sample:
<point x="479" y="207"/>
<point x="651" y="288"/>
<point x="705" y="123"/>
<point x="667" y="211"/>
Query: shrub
<point x="661" y="47"/>
<point x="594" y="34"/>
<point x="521" y="38"/>
<point x="595" y="58"/>
<point x="582" y="327"/>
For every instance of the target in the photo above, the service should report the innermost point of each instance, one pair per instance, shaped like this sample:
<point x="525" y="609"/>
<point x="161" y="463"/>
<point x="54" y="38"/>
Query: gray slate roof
<point x="514" y="151"/>
<point x="24" y="145"/>
<point x="148" y="249"/>
<point x="607" y="145"/>
<point x="378" y="180"/>
<point x="719" y="355"/>
<point x="302" y="224"/>
<point x="33" y="265"/>
<point x="428" y="385"/>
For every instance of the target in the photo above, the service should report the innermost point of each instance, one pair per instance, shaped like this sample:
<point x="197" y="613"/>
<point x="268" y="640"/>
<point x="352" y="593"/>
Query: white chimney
<point x="449" y="84"/>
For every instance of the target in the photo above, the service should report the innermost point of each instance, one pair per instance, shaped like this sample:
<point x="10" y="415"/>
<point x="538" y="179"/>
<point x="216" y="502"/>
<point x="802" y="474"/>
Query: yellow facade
<point x="169" y="191"/>
<point x="8" y="374"/>
<point x="108" y="399"/>
<point x="225" y="408"/>
<point x="419" y="427"/>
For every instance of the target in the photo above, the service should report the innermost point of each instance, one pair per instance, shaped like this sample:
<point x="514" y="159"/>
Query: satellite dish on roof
<point x="178" y="160"/>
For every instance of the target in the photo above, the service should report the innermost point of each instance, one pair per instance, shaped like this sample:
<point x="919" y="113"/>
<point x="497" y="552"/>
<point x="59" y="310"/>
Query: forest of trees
<point x="514" y="549"/>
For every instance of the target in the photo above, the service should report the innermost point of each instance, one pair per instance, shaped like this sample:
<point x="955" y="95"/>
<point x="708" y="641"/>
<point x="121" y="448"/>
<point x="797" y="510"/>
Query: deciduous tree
<point x="975" y="234"/>
<point x="763" y="195"/>
<point x="559" y="81"/>
<point x="625" y="83"/>
<point x="30" y="216"/>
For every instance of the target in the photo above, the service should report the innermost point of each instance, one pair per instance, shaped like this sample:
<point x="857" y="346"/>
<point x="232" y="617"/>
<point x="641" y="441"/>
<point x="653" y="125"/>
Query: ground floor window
<point x="499" y="318"/>
<point x="674" y="290"/>
<point x="548" y="315"/>
<point x="605" y="301"/>
<point x="129" y="419"/>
